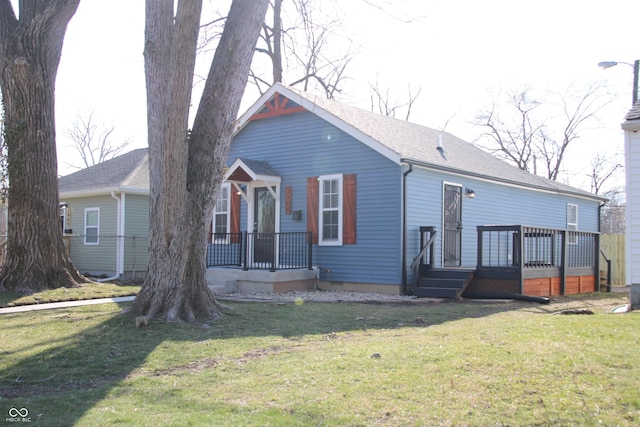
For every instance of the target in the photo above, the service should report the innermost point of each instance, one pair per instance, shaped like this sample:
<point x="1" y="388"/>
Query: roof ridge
<point x="419" y="143"/>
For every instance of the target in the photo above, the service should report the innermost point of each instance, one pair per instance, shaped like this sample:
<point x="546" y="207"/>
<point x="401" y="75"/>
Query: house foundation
<point x="229" y="280"/>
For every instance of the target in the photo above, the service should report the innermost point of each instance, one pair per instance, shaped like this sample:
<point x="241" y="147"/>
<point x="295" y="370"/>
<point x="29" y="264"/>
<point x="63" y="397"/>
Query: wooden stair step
<point x="430" y="282"/>
<point x="436" y="292"/>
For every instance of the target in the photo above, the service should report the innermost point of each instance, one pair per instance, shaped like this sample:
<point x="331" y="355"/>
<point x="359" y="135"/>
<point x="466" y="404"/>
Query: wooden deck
<point x="515" y="260"/>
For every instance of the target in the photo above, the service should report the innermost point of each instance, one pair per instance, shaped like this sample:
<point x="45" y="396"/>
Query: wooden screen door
<point x="264" y="225"/>
<point x="452" y="215"/>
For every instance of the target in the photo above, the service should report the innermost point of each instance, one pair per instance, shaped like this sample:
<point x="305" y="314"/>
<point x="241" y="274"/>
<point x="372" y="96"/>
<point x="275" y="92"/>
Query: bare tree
<point x="522" y="132"/>
<point x="579" y="109"/>
<point x="186" y="167"/>
<point x="601" y="170"/>
<point x="513" y="139"/>
<point x="30" y="49"/>
<point x="382" y="103"/>
<point x="307" y="42"/>
<point x="612" y="217"/>
<point x="94" y="143"/>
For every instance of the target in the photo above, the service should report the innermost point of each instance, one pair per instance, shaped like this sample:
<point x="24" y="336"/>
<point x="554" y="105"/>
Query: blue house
<point x="384" y="205"/>
<point x="318" y="194"/>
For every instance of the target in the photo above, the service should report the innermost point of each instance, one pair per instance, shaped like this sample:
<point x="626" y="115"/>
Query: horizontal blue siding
<point x="298" y="147"/>
<point x="494" y="204"/>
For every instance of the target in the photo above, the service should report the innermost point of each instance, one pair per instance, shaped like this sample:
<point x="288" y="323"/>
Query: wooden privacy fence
<point x="613" y="247"/>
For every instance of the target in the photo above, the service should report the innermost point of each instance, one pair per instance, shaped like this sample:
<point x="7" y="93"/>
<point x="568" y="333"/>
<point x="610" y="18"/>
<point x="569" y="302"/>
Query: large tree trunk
<point x="186" y="167"/>
<point x="30" y="51"/>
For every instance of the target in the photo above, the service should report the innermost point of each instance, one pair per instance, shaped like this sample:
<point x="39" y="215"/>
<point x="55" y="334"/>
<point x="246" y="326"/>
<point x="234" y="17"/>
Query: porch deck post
<point x="274" y="248"/>
<point x="479" y="248"/>
<point x="563" y="267"/>
<point x="309" y="250"/>
<point x="596" y="263"/>
<point x="245" y="255"/>
<point x="521" y="256"/>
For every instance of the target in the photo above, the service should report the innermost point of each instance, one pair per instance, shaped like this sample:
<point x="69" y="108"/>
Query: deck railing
<point x="521" y="253"/>
<point x="426" y="255"/>
<point x="261" y="251"/>
<point x="517" y="246"/>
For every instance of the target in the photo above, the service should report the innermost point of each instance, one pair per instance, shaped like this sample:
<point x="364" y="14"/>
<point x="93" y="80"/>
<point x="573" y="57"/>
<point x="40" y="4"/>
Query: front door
<point x="264" y="225"/>
<point x="452" y="214"/>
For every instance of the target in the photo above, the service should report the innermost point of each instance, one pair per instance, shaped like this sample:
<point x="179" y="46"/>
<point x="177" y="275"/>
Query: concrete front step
<point x="229" y="280"/>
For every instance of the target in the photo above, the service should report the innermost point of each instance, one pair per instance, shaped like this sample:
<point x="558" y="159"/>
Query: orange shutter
<point x="312" y="207"/>
<point x="349" y="210"/>
<point x="287" y="200"/>
<point x="235" y="215"/>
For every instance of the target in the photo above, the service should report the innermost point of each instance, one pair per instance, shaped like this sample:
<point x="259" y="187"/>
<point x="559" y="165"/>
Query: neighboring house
<point x="104" y="212"/>
<point x="631" y="128"/>
<point x="315" y="187"/>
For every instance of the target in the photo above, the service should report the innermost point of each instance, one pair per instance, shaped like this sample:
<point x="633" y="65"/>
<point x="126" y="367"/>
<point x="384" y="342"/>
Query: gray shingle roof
<point x="418" y="144"/>
<point x="412" y="143"/>
<point x="128" y="171"/>
<point x="259" y="167"/>
<point x="634" y="113"/>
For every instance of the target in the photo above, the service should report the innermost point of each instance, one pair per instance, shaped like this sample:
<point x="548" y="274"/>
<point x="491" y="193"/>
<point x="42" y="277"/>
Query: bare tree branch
<point x="601" y="169"/>
<point x="93" y="142"/>
<point x="525" y="135"/>
<point x="388" y="107"/>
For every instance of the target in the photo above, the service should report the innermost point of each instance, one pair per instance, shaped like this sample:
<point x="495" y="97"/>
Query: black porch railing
<point x="426" y="255"/>
<point x="261" y="251"/>
<point x="535" y="247"/>
<point x="526" y="252"/>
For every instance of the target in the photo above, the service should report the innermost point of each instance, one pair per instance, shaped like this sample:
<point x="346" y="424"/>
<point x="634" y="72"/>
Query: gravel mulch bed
<point x="326" y="296"/>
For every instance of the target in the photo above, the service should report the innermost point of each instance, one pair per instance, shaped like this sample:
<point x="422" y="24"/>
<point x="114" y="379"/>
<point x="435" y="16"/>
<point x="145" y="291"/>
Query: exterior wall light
<point x="470" y="193"/>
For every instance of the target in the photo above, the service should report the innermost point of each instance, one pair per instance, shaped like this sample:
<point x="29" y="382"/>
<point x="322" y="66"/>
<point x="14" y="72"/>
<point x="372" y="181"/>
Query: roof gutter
<point x="501" y="180"/>
<point x="404" y="228"/>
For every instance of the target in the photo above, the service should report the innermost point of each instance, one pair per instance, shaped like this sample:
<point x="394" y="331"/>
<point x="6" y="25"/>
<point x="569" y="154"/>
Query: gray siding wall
<point x="94" y="259"/>
<point x="494" y="204"/>
<point x="297" y="147"/>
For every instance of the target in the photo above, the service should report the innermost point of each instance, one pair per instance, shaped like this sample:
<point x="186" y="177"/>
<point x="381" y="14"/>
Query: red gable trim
<point x="239" y="175"/>
<point x="276" y="107"/>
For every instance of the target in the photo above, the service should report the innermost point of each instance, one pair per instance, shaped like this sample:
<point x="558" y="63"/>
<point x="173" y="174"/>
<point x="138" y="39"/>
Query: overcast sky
<point x="457" y="52"/>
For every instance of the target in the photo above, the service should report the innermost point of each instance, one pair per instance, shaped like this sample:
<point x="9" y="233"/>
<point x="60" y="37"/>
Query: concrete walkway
<point x="63" y="304"/>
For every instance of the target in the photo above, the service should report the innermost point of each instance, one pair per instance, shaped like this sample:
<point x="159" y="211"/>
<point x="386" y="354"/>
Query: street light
<point x="635" y="65"/>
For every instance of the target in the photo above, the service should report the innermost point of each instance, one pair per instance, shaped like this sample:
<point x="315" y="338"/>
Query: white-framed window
<point x="572" y="223"/>
<point x="63" y="217"/>
<point x="91" y="226"/>
<point x="330" y="206"/>
<point x="222" y="214"/>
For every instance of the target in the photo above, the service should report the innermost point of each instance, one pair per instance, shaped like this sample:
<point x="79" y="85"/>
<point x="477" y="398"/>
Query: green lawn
<point x="468" y="363"/>
<point x="82" y="292"/>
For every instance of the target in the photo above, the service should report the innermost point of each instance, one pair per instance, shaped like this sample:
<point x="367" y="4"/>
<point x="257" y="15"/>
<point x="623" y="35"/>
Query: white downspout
<point x="119" y="237"/>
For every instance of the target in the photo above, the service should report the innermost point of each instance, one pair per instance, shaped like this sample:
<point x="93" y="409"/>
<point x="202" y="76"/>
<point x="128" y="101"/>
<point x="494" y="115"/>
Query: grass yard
<point x="470" y="363"/>
<point x="82" y="292"/>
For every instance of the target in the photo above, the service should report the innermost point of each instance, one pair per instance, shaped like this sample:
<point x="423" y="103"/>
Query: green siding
<point x="136" y="230"/>
<point x="93" y="259"/>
